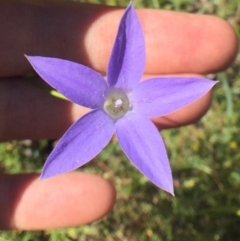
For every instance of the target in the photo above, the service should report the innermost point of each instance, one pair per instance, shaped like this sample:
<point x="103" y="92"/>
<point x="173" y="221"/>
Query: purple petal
<point x="77" y="82"/>
<point x="161" y="96"/>
<point x="143" y="145"/>
<point x="127" y="60"/>
<point x="82" y="142"/>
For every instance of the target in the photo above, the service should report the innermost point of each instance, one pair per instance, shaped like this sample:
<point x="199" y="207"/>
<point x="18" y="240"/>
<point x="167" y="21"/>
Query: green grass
<point x="205" y="159"/>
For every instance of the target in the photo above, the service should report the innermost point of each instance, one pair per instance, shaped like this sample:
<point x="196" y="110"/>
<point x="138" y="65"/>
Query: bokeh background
<point x="205" y="159"/>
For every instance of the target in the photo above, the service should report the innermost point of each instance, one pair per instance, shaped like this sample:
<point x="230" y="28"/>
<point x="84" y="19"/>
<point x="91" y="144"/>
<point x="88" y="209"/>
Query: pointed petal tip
<point x="169" y="189"/>
<point x="28" y="57"/>
<point x="130" y="5"/>
<point x="42" y="177"/>
<point x="173" y="194"/>
<point x="31" y="59"/>
<point x="45" y="175"/>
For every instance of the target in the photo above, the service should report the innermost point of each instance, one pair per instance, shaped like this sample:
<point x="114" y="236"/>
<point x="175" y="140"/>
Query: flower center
<point x="116" y="104"/>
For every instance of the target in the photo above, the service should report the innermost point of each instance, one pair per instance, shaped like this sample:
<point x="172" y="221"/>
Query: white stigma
<point x="116" y="103"/>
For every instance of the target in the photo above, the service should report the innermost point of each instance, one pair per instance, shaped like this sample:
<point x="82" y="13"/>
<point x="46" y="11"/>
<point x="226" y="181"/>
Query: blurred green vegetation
<point x="205" y="160"/>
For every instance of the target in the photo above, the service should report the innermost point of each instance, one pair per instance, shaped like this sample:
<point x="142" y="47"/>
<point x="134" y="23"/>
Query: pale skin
<point x="176" y="44"/>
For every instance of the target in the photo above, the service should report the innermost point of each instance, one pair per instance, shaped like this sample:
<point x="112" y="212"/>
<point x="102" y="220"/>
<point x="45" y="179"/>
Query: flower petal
<point x="127" y="60"/>
<point x="143" y="145"/>
<point x="161" y="96"/>
<point x="77" y="82"/>
<point x="82" y="142"/>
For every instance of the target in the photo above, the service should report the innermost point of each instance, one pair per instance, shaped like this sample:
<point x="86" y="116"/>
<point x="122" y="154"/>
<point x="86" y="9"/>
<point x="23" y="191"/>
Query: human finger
<point x="175" y="42"/>
<point x="31" y="112"/>
<point x="63" y="201"/>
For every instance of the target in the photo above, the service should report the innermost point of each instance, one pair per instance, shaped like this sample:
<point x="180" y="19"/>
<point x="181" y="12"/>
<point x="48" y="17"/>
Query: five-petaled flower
<point x="122" y="104"/>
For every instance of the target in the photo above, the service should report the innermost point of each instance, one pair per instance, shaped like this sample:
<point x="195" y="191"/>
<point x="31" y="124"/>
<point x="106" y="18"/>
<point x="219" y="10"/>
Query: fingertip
<point x="224" y="44"/>
<point x="179" y="42"/>
<point x="66" y="200"/>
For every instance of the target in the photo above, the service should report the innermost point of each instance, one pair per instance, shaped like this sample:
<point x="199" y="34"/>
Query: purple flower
<point x="123" y="105"/>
